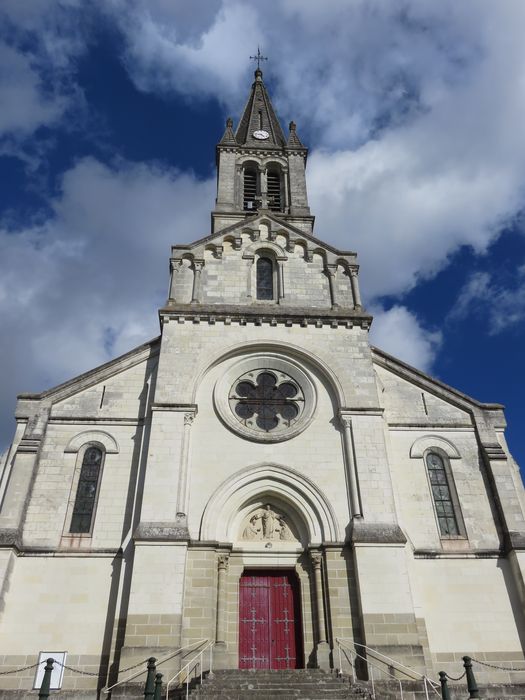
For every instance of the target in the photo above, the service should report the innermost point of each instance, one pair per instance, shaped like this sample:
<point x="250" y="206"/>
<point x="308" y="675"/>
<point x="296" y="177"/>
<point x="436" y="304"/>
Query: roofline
<point x="393" y="363"/>
<point x="298" y="231"/>
<point x="139" y="350"/>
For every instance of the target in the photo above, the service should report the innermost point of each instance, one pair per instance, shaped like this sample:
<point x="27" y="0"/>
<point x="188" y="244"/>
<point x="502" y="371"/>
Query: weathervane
<point x="259" y="58"/>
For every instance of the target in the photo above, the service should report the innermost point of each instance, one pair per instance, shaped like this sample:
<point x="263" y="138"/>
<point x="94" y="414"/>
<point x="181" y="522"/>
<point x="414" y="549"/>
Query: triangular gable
<point x="276" y="226"/>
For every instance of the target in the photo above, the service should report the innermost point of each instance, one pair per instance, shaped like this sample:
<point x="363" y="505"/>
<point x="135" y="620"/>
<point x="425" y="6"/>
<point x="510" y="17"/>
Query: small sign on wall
<point x="58" y="669"/>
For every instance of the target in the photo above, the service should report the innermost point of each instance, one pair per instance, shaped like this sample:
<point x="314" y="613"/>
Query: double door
<point x="269" y="624"/>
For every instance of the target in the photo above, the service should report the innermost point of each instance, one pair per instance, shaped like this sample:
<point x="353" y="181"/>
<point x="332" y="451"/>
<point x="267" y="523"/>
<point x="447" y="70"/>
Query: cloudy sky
<point x="413" y="111"/>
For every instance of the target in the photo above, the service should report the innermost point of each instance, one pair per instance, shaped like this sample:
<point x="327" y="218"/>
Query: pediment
<point x="247" y="235"/>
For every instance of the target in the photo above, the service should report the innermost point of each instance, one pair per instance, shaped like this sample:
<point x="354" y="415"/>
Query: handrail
<point x="389" y="662"/>
<point x="158" y="663"/>
<point x="188" y="670"/>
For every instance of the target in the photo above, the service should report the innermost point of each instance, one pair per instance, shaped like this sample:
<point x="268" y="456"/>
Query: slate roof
<point x="259" y="114"/>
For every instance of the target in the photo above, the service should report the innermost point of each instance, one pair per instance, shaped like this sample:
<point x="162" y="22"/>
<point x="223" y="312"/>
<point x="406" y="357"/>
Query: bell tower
<point x="260" y="169"/>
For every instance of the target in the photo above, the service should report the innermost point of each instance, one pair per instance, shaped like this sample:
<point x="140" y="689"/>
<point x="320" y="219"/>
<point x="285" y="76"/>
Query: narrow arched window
<point x="250" y="189"/>
<point x="273" y="180"/>
<point x="442" y="495"/>
<point x="84" y="508"/>
<point x="264" y="279"/>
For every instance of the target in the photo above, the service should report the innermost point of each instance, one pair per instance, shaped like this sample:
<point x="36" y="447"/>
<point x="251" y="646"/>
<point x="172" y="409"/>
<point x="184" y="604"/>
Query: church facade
<point x="259" y="476"/>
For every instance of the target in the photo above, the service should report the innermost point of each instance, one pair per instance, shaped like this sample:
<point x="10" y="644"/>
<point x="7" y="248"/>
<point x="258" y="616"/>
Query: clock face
<point x="261" y="135"/>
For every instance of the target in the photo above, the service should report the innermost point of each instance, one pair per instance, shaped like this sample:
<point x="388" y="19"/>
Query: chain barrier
<point x="22" y="668"/>
<point x="451" y="678"/>
<point x="69" y="668"/>
<point x="500" y="668"/>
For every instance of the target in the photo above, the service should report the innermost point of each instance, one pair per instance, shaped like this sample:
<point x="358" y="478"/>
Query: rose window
<point x="266" y="401"/>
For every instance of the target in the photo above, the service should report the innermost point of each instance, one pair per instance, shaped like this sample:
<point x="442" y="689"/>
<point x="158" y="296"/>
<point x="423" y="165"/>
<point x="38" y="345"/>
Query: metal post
<point x="149" y="688"/>
<point x="472" y="686"/>
<point x="46" y="680"/>
<point x="445" y="692"/>
<point x="158" y="687"/>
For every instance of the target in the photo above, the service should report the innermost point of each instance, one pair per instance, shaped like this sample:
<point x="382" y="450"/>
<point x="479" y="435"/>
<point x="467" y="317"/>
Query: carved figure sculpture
<point x="266" y="524"/>
<point x="251" y="531"/>
<point x="285" y="533"/>
<point x="269" y="520"/>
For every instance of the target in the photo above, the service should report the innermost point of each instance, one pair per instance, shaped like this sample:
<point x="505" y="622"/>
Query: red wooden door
<point x="269" y="628"/>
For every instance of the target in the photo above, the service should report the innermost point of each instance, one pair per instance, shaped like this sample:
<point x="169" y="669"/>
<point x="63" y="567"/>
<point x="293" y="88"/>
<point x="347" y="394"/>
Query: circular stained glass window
<point x="266" y="400"/>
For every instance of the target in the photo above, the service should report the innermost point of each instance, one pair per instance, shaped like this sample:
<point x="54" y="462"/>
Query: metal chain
<point x="23" y="668"/>
<point x="500" y="668"/>
<point x="89" y="673"/>
<point x="451" y="678"/>
<point x="69" y="668"/>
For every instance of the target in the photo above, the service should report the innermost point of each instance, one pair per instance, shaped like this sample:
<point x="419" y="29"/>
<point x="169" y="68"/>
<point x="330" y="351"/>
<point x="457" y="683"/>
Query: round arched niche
<point x="269" y="522"/>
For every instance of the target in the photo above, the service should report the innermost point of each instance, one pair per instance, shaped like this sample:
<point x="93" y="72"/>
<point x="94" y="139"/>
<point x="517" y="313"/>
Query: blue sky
<point x="413" y="111"/>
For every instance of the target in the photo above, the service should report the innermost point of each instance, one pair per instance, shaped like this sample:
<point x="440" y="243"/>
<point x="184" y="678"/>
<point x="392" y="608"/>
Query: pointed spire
<point x="259" y="118"/>
<point x="293" y="140"/>
<point x="228" y="138"/>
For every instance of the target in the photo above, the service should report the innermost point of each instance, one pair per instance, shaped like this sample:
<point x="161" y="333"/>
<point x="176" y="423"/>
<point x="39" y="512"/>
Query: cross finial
<point x="259" y="57"/>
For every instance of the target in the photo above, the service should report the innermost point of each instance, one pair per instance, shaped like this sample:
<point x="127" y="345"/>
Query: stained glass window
<point x="448" y="524"/>
<point x="267" y="401"/>
<point x="86" y="491"/>
<point x="264" y="278"/>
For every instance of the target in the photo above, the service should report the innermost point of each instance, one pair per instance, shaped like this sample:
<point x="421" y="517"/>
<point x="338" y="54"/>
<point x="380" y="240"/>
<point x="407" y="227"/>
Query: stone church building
<point x="259" y="475"/>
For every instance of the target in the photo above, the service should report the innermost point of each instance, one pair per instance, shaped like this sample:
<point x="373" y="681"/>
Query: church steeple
<point x="259" y="169"/>
<point x="259" y="126"/>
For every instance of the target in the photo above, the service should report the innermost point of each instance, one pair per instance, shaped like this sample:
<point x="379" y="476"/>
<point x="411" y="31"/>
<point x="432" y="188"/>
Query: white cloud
<point x="483" y="295"/>
<point x="39" y="42"/>
<point x="398" y="331"/>
<point x="84" y="287"/>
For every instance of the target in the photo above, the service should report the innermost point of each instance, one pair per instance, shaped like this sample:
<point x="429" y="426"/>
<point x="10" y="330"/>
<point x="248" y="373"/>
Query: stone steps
<point x="308" y="684"/>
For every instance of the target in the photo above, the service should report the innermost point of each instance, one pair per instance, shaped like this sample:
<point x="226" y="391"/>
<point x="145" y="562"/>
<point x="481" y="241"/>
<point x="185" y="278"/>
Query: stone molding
<point x="271" y="314"/>
<point x="428" y="442"/>
<point x="161" y="532"/>
<point x="268" y="481"/>
<point x="376" y="533"/>
<point x="89" y="436"/>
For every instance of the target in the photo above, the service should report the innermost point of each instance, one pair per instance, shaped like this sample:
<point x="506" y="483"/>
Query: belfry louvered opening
<point x="274" y="190"/>
<point x="250" y="189"/>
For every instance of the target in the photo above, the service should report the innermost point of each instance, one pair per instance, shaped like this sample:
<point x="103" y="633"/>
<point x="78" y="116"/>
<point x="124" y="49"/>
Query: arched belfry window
<point x="265" y="279"/>
<point x="443" y="494"/>
<point x="87" y="488"/>
<point x="250" y="188"/>
<point x="273" y="180"/>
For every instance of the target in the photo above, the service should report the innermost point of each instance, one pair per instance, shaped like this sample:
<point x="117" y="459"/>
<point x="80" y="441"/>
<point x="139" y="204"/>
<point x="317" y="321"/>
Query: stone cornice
<point x="264" y="314"/>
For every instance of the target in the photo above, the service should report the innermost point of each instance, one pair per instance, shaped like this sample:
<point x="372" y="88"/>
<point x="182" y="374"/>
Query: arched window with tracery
<point x="273" y="182"/>
<point x="87" y="490"/>
<point x="265" y="283"/>
<point x="250" y="188"/>
<point x="444" y="496"/>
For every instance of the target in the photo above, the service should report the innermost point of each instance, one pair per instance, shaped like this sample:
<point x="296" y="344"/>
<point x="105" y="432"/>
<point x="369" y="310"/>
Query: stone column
<point x="249" y="262"/>
<point x="286" y="192"/>
<point x="355" y="288"/>
<point x="183" y="486"/>
<point x="263" y="189"/>
<point x="319" y="601"/>
<point x="196" y="292"/>
<point x="220" y="634"/>
<point x="330" y="271"/>
<point x="355" y="503"/>
<point x="280" y="280"/>
<point x="175" y="266"/>
<point x="322" y="648"/>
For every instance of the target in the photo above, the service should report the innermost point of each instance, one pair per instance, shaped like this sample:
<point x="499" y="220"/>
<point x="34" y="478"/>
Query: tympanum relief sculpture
<point x="266" y="524"/>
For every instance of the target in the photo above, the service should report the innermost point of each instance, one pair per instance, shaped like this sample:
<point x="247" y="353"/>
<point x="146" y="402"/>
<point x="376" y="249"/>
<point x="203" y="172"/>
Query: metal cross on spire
<point x="259" y="58"/>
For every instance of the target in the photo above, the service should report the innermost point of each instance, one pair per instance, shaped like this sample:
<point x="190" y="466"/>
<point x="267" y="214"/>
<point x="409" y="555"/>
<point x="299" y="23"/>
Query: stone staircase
<point x="308" y="684"/>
